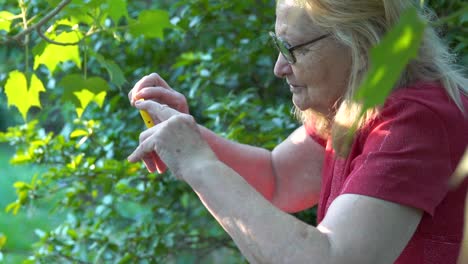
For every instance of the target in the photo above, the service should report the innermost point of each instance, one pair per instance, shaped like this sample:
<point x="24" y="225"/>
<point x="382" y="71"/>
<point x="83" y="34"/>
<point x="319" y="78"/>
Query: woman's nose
<point x="282" y="67"/>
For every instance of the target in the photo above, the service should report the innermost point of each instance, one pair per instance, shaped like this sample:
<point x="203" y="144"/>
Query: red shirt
<point x="406" y="155"/>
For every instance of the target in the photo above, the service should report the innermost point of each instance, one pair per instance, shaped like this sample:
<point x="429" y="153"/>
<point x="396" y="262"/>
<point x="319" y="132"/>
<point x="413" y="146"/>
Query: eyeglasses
<point x="287" y="50"/>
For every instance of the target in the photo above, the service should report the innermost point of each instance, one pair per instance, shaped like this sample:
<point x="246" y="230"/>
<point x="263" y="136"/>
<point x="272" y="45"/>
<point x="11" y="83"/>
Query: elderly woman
<point x="383" y="199"/>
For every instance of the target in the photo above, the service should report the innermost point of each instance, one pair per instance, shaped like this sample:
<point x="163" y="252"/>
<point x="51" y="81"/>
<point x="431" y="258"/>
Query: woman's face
<point x="318" y="78"/>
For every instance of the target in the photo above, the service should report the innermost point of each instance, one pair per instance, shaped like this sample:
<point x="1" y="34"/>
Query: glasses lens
<point x="282" y="48"/>
<point x="285" y="51"/>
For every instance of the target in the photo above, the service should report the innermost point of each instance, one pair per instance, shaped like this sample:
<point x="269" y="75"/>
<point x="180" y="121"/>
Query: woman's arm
<point x="289" y="176"/>
<point x="356" y="229"/>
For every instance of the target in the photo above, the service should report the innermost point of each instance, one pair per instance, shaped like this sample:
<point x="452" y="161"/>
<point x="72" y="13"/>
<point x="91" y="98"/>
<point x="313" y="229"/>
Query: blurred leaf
<point x="85" y="97"/>
<point x="389" y="58"/>
<point x="53" y="3"/>
<point x="19" y="185"/>
<point x="115" y="72"/>
<point x="5" y="20"/>
<point x="82" y="91"/>
<point x="117" y="9"/>
<point x="20" y="158"/>
<point x="39" y="233"/>
<point x="14" y="207"/>
<point x="78" y="133"/>
<point x="49" y="57"/>
<point x="20" y="94"/>
<point x="150" y="24"/>
<point x="3" y="240"/>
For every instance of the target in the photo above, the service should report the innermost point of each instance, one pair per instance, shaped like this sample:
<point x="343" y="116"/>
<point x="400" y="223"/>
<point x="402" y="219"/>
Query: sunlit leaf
<point x="390" y="57"/>
<point x="21" y="185"/>
<point x="85" y="97"/>
<point x="78" y="133"/>
<point x="151" y="24"/>
<point x="20" y="158"/>
<point x="20" y="94"/>
<point x="53" y="54"/>
<point x="13" y="207"/>
<point x="72" y="233"/>
<point x="5" y="20"/>
<point x="3" y="240"/>
<point x="82" y="92"/>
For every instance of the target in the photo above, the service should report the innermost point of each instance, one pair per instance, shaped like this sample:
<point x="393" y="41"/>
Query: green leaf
<point x="76" y="13"/>
<point x="20" y="94"/>
<point x="78" y="133"/>
<point x="150" y="24"/>
<point x="53" y="54"/>
<point x="81" y="92"/>
<point x="86" y="96"/>
<point x="94" y="3"/>
<point x="115" y="72"/>
<point x="5" y="20"/>
<point x="53" y="3"/>
<point x="389" y="59"/>
<point x="14" y="207"/>
<point x="21" y="185"/>
<point x="117" y="9"/>
<point x="21" y="158"/>
<point x="3" y="240"/>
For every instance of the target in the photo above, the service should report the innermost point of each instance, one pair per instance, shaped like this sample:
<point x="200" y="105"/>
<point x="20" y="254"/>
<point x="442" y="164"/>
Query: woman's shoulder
<point x="427" y="97"/>
<point x="422" y="114"/>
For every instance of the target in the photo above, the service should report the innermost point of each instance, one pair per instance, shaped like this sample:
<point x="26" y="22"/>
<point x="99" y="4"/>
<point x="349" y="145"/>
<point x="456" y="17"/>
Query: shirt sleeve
<point x="405" y="158"/>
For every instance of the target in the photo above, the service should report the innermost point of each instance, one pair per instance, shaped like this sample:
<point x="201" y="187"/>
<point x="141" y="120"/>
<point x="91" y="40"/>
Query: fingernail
<point x="138" y="102"/>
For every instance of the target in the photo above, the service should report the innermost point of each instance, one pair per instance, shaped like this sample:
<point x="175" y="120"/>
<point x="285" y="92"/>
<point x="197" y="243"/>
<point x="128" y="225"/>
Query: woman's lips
<point x="294" y="88"/>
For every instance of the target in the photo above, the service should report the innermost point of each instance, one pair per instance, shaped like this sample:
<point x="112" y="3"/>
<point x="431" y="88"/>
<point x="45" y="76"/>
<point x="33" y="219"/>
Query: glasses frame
<point x="287" y="50"/>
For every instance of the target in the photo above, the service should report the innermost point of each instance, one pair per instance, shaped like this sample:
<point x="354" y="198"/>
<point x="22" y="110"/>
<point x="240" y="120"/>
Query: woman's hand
<point x="176" y="139"/>
<point x="153" y="87"/>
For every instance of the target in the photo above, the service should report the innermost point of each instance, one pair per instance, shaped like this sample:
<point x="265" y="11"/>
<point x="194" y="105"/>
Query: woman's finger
<point x="156" y="110"/>
<point x="159" y="164"/>
<point x="149" y="163"/>
<point x="152" y="80"/>
<point x="164" y="96"/>
<point x="143" y="150"/>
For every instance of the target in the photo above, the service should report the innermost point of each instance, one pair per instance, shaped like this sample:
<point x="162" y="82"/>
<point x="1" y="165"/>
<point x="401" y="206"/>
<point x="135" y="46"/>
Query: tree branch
<point x="44" y="37"/>
<point x="41" y="22"/>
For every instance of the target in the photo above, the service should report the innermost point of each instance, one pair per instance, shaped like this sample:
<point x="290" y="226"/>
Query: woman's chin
<point x="304" y="106"/>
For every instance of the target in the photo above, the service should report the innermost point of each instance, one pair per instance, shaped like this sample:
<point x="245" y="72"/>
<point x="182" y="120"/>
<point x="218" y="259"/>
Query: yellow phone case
<point x="146" y="117"/>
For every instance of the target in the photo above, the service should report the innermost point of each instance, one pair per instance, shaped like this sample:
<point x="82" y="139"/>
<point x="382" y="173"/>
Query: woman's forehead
<point x="293" y="18"/>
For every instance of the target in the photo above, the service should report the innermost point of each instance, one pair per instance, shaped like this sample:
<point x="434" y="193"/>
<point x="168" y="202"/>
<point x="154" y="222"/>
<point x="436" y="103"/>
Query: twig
<point x="41" y="22"/>
<point x="44" y="37"/>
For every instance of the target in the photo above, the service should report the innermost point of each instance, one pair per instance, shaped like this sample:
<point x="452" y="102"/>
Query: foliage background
<point x="78" y="200"/>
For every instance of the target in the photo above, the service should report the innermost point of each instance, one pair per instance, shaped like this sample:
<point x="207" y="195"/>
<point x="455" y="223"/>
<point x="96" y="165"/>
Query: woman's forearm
<point x="254" y="164"/>
<point x="289" y="176"/>
<point x="262" y="232"/>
